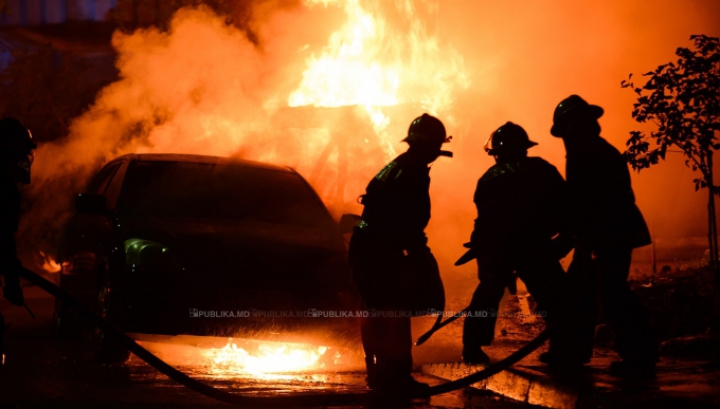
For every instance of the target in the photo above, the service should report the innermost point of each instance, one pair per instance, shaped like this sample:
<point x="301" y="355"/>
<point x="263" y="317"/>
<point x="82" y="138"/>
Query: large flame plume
<point x="202" y="87"/>
<point x="370" y="64"/>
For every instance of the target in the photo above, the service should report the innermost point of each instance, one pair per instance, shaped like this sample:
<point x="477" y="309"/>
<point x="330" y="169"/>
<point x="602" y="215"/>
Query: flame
<point x="348" y="72"/>
<point x="269" y="357"/>
<point x="202" y="87"/>
<point x="293" y="357"/>
<point x="48" y="263"/>
<point x="370" y="64"/>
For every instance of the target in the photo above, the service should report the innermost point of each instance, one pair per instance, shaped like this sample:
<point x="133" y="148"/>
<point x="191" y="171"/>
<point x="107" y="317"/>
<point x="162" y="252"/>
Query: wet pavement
<point x="678" y="383"/>
<point x="43" y="371"/>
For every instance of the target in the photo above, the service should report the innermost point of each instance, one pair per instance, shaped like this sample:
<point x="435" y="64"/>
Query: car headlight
<point x="139" y="251"/>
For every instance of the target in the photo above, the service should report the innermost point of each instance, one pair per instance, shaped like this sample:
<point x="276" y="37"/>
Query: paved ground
<point x="43" y="371"/>
<point x="678" y="384"/>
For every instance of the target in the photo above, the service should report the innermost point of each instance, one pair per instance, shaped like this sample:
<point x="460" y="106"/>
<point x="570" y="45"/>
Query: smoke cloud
<point x="203" y="87"/>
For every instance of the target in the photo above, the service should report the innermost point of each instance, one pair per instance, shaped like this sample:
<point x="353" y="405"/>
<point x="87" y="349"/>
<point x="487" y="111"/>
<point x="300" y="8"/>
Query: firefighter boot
<point x="475" y="356"/>
<point x="395" y="381"/>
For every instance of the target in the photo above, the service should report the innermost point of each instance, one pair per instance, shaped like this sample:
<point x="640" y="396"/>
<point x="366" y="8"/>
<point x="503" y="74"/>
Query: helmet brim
<point x="594" y="112"/>
<point x="419" y="137"/>
<point x="494" y="152"/>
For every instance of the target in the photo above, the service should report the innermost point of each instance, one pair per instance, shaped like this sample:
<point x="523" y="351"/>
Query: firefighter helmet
<point x="426" y="128"/>
<point x="509" y="138"/>
<point x="16" y="149"/>
<point x="571" y="107"/>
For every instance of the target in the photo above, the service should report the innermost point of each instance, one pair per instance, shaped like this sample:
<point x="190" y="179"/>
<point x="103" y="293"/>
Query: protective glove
<point x="491" y="268"/>
<point x="468" y="256"/>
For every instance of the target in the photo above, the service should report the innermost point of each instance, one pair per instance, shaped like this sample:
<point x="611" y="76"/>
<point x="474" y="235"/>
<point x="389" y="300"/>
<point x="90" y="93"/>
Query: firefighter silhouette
<point x="607" y="226"/>
<point x="520" y="204"/>
<point x="16" y="151"/>
<point x="393" y="268"/>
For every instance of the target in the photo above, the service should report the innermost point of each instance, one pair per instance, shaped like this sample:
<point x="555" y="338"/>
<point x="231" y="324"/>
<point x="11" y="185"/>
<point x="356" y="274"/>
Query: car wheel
<point x="64" y="326"/>
<point x="107" y="350"/>
<point x="79" y="283"/>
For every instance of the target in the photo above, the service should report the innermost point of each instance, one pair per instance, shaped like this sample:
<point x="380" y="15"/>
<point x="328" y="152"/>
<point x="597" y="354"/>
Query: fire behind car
<point x="186" y="244"/>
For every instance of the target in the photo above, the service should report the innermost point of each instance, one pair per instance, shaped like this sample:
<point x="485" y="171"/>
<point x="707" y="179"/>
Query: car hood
<point x="254" y="254"/>
<point x="166" y="230"/>
<point x="236" y="266"/>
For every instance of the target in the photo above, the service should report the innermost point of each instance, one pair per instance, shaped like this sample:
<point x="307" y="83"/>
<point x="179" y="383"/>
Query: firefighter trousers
<point x="545" y="280"/>
<point x="387" y="343"/>
<point x="606" y="276"/>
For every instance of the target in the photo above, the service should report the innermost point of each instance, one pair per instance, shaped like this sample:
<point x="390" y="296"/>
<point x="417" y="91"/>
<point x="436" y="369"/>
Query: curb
<point x="521" y="385"/>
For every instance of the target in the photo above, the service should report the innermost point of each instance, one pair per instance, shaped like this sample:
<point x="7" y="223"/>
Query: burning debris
<point x="269" y="357"/>
<point x="370" y="63"/>
<point x="232" y="358"/>
<point x="47" y="263"/>
<point x="167" y="101"/>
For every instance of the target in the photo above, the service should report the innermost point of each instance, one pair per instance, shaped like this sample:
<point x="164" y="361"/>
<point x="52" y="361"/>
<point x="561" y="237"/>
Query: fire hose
<point x="439" y="324"/>
<point x="299" y="400"/>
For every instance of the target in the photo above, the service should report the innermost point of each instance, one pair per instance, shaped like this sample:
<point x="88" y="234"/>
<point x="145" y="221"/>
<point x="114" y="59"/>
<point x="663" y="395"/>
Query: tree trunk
<point x="713" y="241"/>
<point x="712" y="222"/>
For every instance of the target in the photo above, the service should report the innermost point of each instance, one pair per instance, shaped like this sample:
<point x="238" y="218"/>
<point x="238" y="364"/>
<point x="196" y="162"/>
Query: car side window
<point x="113" y="188"/>
<point x="101" y="181"/>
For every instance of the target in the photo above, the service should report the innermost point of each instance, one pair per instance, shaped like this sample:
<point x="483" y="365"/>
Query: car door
<point x="87" y="238"/>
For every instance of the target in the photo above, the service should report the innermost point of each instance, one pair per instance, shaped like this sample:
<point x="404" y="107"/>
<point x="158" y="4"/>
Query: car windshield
<point x="220" y="191"/>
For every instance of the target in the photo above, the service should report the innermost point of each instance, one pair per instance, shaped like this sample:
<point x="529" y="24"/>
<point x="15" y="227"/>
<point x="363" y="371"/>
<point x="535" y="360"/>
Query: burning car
<point x="187" y="244"/>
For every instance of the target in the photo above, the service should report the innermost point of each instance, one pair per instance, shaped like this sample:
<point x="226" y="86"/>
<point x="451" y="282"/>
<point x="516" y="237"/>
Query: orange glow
<point x="368" y="63"/>
<point x="200" y="88"/>
<point x="47" y="263"/>
<point x="348" y="73"/>
<point x="269" y="357"/>
<point x="329" y="87"/>
<point x="230" y="358"/>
